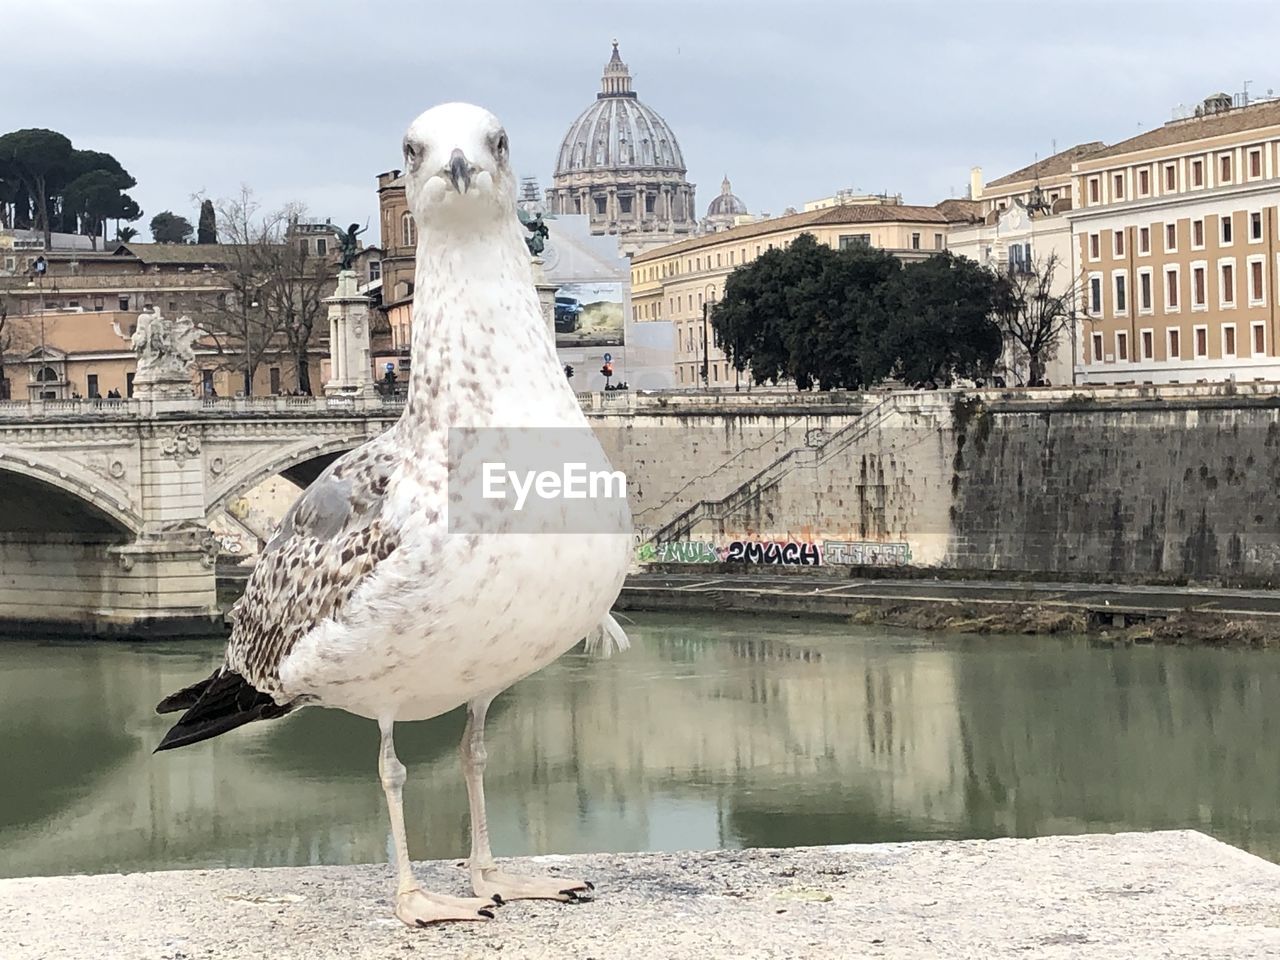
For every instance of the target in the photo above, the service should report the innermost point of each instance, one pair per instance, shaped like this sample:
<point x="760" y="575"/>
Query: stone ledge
<point x="1168" y="894"/>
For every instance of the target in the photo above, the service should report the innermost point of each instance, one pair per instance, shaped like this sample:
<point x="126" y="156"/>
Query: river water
<point x="711" y="732"/>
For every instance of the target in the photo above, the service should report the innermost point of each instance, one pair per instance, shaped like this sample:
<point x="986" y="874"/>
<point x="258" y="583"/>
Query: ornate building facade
<point x="620" y="165"/>
<point x="725" y="211"/>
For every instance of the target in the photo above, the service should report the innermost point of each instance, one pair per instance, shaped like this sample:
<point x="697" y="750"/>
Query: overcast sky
<point x="307" y="100"/>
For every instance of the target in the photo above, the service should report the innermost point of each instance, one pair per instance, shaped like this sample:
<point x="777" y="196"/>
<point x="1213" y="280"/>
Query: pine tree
<point x="207" y="230"/>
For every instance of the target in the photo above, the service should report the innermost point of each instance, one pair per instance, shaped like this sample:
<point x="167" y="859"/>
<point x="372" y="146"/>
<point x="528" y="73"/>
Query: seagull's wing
<point x="327" y="544"/>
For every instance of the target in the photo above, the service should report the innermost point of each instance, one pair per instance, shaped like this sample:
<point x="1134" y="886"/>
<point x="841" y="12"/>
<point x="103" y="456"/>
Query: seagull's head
<point x="457" y="165"/>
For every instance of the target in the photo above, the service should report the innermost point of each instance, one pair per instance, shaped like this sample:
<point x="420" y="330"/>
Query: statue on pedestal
<point x="164" y="348"/>
<point x="537" y="240"/>
<point x="348" y="246"/>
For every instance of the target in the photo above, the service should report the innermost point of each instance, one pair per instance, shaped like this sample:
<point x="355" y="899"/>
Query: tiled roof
<point x="850" y="213"/>
<point x="1253" y="117"/>
<point x="1053" y="166"/>
<point x="959" y="210"/>
<point x="196" y="254"/>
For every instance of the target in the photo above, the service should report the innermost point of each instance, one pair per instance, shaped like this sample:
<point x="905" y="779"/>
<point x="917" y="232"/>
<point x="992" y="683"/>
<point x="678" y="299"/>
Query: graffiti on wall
<point x="790" y="553"/>
<point x="787" y="553"/>
<point x="678" y="551"/>
<point x="866" y="553"/>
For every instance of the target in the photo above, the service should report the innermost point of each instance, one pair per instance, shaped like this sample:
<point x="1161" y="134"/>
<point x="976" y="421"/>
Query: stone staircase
<point x="682" y="526"/>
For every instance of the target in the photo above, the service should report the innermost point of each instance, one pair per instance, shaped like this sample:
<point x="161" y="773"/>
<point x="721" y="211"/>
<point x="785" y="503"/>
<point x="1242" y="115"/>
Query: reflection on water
<point x="710" y="732"/>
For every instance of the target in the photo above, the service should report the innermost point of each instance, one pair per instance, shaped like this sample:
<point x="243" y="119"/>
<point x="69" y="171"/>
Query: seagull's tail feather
<point x="606" y="638"/>
<point x="223" y="701"/>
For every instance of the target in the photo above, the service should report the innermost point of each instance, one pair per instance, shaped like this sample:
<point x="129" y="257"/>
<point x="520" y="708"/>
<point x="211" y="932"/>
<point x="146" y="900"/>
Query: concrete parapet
<point x="1169" y="894"/>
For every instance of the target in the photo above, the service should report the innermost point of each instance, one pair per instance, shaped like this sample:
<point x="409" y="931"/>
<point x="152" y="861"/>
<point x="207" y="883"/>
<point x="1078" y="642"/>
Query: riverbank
<point x="1117" y="613"/>
<point x="1168" y="894"/>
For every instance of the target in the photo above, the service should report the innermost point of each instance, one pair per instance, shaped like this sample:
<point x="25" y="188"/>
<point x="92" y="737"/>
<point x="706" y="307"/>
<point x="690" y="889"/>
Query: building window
<point x="274" y="374"/>
<point x="375" y="270"/>
<point x="717" y="259"/>
<point x="128" y="384"/>
<point x="731" y="258"/>
<point x="1175" y="345"/>
<point x="624" y="204"/>
<point x="1144" y="291"/>
<point x="124" y="303"/>
<point x="1170" y="289"/>
<point x="1144" y="182"/>
<point x="1095" y="247"/>
<point x="1255" y="163"/>
<point x="1224" y="168"/>
<point x="1095" y="190"/>
<point x="1259" y="338"/>
<point x="1199" y="299"/>
<point x="1197" y="234"/>
<point x="1170" y="177"/>
<point x="1117" y="183"/>
<point x="1197" y="173"/>
<point x="855" y="240"/>
<point x="648" y="203"/>
<point x="1170" y="238"/>
<point x="91" y="386"/>
<point x="1121" y="293"/>
<point x="322" y="246"/>
<point x="1229" y="340"/>
<point x="1202" y="342"/>
<point x="601" y="205"/>
<point x="1256" y="293"/>
<point x="408" y="233"/>
<point x="937" y="241"/>
<point x="1255" y="226"/>
<point x="1227" y="284"/>
<point x="1117" y="243"/>
<point x="303" y="247"/>
<point x="1226" y="231"/>
<point x="1148" y="344"/>
<point x="1097" y="348"/>
<point x="915" y="241"/>
<point x="1144" y="240"/>
<point x="1095" y="294"/>
<point x="1122" y="345"/>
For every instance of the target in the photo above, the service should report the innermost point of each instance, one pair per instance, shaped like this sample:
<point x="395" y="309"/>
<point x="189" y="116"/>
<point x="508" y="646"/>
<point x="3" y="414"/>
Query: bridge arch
<point x="277" y="461"/>
<point x="50" y="493"/>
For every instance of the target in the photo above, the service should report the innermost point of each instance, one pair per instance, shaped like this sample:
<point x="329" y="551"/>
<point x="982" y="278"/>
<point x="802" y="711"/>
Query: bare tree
<point x="1034" y="316"/>
<point x="273" y="303"/>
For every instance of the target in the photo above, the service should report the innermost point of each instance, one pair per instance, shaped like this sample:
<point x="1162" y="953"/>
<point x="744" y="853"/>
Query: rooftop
<point x="1253" y="117"/>
<point x="827" y="216"/>
<point x="1057" y="165"/>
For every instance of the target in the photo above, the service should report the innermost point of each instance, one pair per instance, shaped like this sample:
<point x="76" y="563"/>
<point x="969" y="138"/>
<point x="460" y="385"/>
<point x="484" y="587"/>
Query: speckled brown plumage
<point x="327" y="545"/>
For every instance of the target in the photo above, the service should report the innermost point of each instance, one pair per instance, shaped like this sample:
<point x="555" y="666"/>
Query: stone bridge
<point x="104" y="505"/>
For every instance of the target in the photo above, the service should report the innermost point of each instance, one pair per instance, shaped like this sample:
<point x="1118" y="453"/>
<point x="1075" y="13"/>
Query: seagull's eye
<point x="500" y="146"/>
<point x="411" y="152"/>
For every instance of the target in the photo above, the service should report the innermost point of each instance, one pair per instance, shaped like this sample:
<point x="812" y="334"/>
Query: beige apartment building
<point x="1024" y="224"/>
<point x="1175" y="240"/>
<point x="674" y="283"/>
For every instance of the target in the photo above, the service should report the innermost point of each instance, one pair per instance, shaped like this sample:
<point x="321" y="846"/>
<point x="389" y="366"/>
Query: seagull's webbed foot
<point x="417" y="908"/>
<point x="492" y="882"/>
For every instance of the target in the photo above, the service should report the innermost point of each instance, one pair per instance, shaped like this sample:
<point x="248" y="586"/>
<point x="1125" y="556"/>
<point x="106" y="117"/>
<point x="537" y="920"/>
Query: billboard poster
<point x="589" y="313"/>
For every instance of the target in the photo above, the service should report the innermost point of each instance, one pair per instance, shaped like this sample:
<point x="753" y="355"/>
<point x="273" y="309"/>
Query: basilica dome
<point x="618" y="131"/>
<point x="621" y="165"/>
<point x="727" y="204"/>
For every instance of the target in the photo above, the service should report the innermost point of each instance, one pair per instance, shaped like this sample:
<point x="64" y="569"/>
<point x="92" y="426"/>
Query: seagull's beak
<point x="459" y="171"/>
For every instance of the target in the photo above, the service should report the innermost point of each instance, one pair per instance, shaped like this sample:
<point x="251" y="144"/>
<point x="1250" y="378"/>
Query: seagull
<point x="392" y="589"/>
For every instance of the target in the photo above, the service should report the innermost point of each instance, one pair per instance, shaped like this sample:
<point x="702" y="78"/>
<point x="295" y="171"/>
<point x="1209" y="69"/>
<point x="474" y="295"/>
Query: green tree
<point x="40" y="162"/>
<point x="941" y="322"/>
<point x="168" y="227"/>
<point x="805" y="313"/>
<point x="125" y="234"/>
<point x="207" y="229"/>
<point x="95" y="197"/>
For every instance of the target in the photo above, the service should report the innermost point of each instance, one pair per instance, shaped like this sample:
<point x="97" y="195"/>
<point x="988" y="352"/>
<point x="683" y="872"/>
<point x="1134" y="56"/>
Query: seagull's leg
<point x="486" y="879"/>
<point x="413" y="905"/>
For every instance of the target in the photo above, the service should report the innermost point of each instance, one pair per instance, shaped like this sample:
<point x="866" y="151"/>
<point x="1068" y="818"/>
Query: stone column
<point x="546" y="295"/>
<point x="350" y="359"/>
